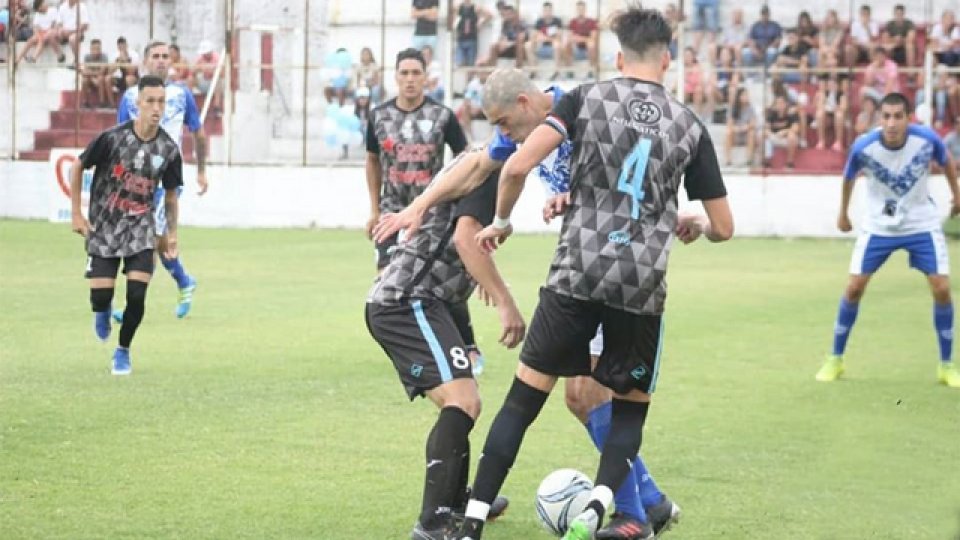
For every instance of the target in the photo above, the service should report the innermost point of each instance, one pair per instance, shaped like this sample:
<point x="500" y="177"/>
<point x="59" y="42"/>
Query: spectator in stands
<point x="673" y="17"/>
<point x="735" y="35"/>
<point x="73" y="24"/>
<point x="582" y="37"/>
<point x="470" y="17"/>
<point x="793" y="59"/>
<point x="952" y="140"/>
<point x="361" y="107"/>
<point x="44" y="33"/>
<point x="899" y="38"/>
<point x="868" y="117"/>
<point x="179" y="70"/>
<point x="741" y="127"/>
<point x="368" y="75"/>
<point x="472" y="107"/>
<point x="512" y="41"/>
<point x="944" y="40"/>
<point x="203" y="72"/>
<point x="864" y="36"/>
<point x="831" y="36"/>
<point x="547" y="42"/>
<point x="831" y="112"/>
<point x="425" y="14"/>
<point x="796" y="105"/>
<point x="95" y="70"/>
<point x="764" y="40"/>
<point x="706" y="21"/>
<point x="695" y="84"/>
<point x="339" y="65"/>
<point x="126" y="64"/>
<point x="783" y="130"/>
<point x="434" y="87"/>
<point x="830" y="68"/>
<point x="946" y="98"/>
<point x="881" y="77"/>
<point x="809" y="34"/>
<point x="15" y="19"/>
<point x="726" y="78"/>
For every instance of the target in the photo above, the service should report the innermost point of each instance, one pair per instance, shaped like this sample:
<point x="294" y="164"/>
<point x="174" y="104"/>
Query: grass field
<point x="270" y="413"/>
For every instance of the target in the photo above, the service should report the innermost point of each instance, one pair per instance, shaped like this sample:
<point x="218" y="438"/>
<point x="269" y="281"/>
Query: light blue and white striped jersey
<point x="180" y="109"/>
<point x="898" y="191"/>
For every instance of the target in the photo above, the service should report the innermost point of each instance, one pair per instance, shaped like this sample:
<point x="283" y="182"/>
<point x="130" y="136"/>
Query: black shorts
<point x="558" y="343"/>
<point x="107" y="267"/>
<point x="422" y="341"/>
<point x="385" y="251"/>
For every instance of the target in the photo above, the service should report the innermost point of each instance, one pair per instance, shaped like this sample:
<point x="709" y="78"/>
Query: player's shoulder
<point x="130" y="94"/>
<point x="386" y="107"/>
<point x="167" y="141"/>
<point x="431" y="104"/>
<point x="924" y="132"/>
<point x="178" y="87"/>
<point x="118" y="129"/>
<point x="864" y="141"/>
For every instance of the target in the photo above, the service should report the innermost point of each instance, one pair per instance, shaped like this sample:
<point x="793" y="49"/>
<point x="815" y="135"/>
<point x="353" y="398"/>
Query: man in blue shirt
<point x="764" y="41"/>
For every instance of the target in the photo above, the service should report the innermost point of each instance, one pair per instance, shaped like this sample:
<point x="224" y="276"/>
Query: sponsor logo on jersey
<point x="638" y="372"/>
<point x="416" y="370"/>
<point x="156" y="161"/>
<point x="619" y="237"/>
<point x="426" y="126"/>
<point x="645" y="112"/>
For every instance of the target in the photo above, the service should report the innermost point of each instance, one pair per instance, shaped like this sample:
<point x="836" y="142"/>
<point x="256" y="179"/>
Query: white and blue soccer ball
<point x="561" y="497"/>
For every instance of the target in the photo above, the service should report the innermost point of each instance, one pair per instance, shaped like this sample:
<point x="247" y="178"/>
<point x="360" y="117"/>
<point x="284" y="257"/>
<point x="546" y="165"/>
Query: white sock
<point x="477" y="510"/>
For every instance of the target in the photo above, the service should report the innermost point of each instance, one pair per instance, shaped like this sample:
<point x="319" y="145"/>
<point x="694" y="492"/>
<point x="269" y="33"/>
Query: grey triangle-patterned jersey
<point x="409" y="145"/>
<point x="127" y="173"/>
<point x="632" y="144"/>
<point x="427" y="265"/>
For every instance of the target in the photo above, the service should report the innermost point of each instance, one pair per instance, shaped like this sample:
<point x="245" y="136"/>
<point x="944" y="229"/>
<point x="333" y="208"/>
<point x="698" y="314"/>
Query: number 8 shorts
<point x="422" y="341"/>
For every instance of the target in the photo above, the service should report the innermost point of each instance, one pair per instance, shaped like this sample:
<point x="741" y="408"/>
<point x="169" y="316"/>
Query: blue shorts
<point x="928" y="252"/>
<point x="545" y="51"/>
<point x="160" y="210"/>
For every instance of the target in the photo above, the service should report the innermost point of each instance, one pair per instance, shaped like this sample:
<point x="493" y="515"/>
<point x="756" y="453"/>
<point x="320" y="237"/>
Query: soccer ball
<point x="562" y="496"/>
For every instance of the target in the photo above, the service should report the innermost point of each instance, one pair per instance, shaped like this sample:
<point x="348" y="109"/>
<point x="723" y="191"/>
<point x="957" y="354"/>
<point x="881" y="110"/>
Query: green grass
<point x="270" y="412"/>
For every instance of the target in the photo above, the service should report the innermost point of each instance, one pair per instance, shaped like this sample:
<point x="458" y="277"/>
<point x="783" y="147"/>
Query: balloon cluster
<point x="341" y="127"/>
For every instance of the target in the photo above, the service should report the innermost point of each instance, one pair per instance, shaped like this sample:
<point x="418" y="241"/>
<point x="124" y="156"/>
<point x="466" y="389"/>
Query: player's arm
<point x="79" y="224"/>
<point x="703" y="181"/>
<point x="172" y="180"/>
<point x="535" y="149"/>
<point x="461" y="176"/>
<point x="850" y="172"/>
<point x="950" y="171"/>
<point x="471" y="211"/>
<point x="374" y="186"/>
<point x="192" y="120"/>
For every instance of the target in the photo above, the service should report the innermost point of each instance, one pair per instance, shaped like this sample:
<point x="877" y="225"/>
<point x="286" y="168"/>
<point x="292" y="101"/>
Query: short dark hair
<point x="149" y="81"/>
<point x="639" y="30"/>
<point x="411" y="53"/>
<point x="95" y="41"/>
<point x="150" y="46"/>
<point x="896" y="98"/>
<point x="899" y="7"/>
<point x="121" y="39"/>
<point x="865" y="7"/>
<point x="174" y="46"/>
<point x="548" y="4"/>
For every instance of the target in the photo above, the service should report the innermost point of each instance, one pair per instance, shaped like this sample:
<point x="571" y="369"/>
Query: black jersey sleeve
<point x="480" y="203"/>
<point x="96" y="152"/>
<point x="173" y="175"/>
<point x="453" y="135"/>
<point x="702" y="178"/>
<point x="563" y="117"/>
<point x="373" y="145"/>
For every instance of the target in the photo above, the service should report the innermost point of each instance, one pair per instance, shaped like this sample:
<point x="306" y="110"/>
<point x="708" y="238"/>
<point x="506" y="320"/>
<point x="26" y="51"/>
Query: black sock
<point x="520" y="408"/>
<point x="623" y="442"/>
<point x="445" y="447"/>
<point x="460" y="502"/>
<point x="461" y="317"/>
<point x="136" y="299"/>
<point x="100" y="299"/>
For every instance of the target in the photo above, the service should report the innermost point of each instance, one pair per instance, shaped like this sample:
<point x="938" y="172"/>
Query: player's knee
<point x="469" y="404"/>
<point x="136" y="293"/>
<point x="100" y="299"/>
<point x="854" y="292"/>
<point x="941" y="291"/>
<point x="576" y="402"/>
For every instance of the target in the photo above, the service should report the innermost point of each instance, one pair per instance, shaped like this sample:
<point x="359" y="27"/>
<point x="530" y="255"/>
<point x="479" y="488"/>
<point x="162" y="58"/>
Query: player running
<point x="632" y="144"/>
<point x="131" y="161"/>
<point x="901" y="214"/>
<point x="407" y="314"/>
<point x="181" y="109"/>
<point x="515" y="104"/>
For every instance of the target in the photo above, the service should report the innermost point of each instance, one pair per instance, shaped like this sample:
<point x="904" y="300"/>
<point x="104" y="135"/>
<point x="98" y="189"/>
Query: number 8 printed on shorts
<point x="459" y="356"/>
<point x="631" y="176"/>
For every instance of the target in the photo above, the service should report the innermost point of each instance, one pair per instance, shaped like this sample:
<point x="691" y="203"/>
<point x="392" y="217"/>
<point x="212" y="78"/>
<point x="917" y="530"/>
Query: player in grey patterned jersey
<point x="407" y="313"/>
<point x="130" y="161"/>
<point x="633" y="143"/>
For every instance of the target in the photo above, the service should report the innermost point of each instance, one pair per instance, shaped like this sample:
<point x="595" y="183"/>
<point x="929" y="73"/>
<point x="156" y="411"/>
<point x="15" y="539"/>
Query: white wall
<point x="337" y="197"/>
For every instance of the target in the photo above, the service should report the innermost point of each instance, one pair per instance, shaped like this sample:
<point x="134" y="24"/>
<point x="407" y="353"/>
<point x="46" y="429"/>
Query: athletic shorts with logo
<point x="561" y="331"/>
<point x="422" y="341"/>
<point x="927" y="252"/>
<point x="107" y="267"/>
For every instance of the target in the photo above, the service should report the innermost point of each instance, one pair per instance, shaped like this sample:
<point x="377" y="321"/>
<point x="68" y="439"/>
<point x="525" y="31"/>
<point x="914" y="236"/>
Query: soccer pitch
<point x="270" y="413"/>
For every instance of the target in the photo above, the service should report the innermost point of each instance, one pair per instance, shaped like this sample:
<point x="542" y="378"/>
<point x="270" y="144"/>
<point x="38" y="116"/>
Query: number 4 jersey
<point x="632" y="144"/>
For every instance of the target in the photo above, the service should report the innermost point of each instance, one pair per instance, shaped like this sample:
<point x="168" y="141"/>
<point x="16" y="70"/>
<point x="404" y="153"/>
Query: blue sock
<point x="650" y="494"/>
<point x="176" y="270"/>
<point x="846" y="316"/>
<point x="627" y="498"/>
<point x="943" y="322"/>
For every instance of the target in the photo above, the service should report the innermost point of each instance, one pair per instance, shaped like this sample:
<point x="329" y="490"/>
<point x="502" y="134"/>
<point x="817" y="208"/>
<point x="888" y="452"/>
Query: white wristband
<point x="500" y="223"/>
